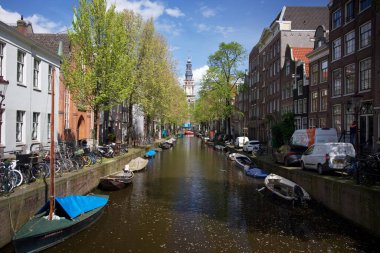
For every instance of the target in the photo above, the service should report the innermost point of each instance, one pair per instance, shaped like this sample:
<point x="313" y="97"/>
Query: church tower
<point x="189" y="83"/>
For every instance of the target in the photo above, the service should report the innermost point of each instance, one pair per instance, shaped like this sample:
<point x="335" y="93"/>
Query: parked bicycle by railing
<point x="364" y="169"/>
<point x="9" y="177"/>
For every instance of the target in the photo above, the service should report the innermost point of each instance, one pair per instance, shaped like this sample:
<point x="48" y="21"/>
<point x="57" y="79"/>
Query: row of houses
<point x="28" y="61"/>
<point x="320" y="63"/>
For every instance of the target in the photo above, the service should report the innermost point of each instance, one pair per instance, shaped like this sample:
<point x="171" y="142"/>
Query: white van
<point x="307" y="137"/>
<point x="327" y="156"/>
<point x="240" y="141"/>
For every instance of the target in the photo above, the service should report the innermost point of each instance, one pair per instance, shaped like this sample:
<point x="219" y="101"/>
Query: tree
<point x="99" y="71"/>
<point x="221" y="79"/>
<point x="282" y="130"/>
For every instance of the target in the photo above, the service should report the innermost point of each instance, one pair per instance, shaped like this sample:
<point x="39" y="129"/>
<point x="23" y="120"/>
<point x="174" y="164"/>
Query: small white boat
<point x="232" y="156"/>
<point x="243" y="161"/>
<point x="137" y="164"/>
<point x="285" y="188"/>
<point x="219" y="147"/>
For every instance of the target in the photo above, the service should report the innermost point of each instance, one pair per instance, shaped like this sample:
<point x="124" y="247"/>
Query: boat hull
<point x="113" y="184"/>
<point x="41" y="241"/>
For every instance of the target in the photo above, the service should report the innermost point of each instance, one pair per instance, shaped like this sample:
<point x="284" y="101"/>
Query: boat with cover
<point x="62" y="216"/>
<point x="137" y="164"/>
<point x="243" y="161"/>
<point x="151" y="153"/>
<point x="116" y="181"/>
<point x="255" y="172"/>
<point x="285" y="188"/>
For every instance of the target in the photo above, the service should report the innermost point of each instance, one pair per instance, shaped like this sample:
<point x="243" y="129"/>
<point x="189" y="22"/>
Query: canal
<point x="192" y="199"/>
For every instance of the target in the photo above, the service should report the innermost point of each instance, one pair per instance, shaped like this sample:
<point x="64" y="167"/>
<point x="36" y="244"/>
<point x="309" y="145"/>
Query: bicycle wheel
<point x="17" y="177"/>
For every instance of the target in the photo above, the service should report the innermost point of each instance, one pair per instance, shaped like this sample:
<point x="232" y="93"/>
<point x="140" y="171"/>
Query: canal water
<point x="192" y="199"/>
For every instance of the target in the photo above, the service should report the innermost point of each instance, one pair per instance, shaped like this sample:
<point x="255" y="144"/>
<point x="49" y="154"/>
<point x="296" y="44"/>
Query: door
<point x="366" y="132"/>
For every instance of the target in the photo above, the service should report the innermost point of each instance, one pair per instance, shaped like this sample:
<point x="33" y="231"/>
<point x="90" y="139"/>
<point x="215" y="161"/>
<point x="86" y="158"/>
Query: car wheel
<point x="303" y="166"/>
<point x="320" y="169"/>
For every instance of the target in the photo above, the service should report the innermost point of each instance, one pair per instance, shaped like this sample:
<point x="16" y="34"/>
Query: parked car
<point x="240" y="141"/>
<point x="289" y="155"/>
<point x="327" y="156"/>
<point x="250" y="146"/>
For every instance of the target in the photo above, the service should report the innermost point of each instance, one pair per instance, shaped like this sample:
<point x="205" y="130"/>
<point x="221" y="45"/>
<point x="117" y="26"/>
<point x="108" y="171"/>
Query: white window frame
<point x="322" y="80"/>
<point x="20" y="67"/>
<point x="350" y="81"/>
<point x="314" y="101"/>
<point x="347" y="18"/>
<point x="300" y="87"/>
<point x="368" y="75"/>
<point x="50" y="75"/>
<point x="48" y="126"/>
<point x="287" y="67"/>
<point x="337" y="117"/>
<point x="20" y="118"/>
<point x="2" y="57"/>
<point x="35" y="126"/>
<point x="336" y="83"/>
<point x="349" y="43"/>
<point x="36" y="73"/>
<point x="304" y="123"/>
<point x="336" y="22"/>
<point x="364" y="30"/>
<point x="360" y="7"/>
<point x="322" y="105"/>
<point x="305" y="105"/>
<point x="336" y="49"/>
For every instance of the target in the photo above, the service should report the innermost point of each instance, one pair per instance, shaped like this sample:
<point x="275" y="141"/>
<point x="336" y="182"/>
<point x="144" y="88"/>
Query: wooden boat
<point x="61" y="217"/>
<point x="116" y="181"/>
<point x="72" y="215"/>
<point x="137" y="164"/>
<point x="285" y="188"/>
<point x="243" y="161"/>
<point x="255" y="172"/>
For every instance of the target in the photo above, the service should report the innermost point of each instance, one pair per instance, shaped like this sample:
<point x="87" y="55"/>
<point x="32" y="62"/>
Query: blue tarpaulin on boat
<point x="75" y="205"/>
<point x="256" y="172"/>
<point x="150" y="153"/>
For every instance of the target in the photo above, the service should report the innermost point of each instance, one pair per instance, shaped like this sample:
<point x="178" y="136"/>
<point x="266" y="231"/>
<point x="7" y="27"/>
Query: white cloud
<point x="202" y="27"/>
<point x="224" y="30"/>
<point x="40" y="24"/>
<point x="198" y="74"/>
<point x="174" y="48"/>
<point x="207" y="12"/>
<point x="146" y="8"/>
<point x="170" y="28"/>
<point x="175" y="12"/>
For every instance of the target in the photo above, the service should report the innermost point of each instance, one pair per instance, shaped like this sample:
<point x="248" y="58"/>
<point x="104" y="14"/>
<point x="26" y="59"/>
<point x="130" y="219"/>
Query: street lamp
<point x="3" y="88"/>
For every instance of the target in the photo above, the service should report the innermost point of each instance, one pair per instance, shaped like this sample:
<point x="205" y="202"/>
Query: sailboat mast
<point x="52" y="147"/>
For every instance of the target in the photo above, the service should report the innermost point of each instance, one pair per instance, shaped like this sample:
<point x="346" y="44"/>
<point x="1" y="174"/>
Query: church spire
<point x="189" y="71"/>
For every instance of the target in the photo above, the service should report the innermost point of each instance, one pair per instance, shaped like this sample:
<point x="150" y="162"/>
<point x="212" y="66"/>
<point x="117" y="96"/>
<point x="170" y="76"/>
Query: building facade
<point x="28" y="67"/>
<point x="272" y="92"/>
<point x="318" y="85"/>
<point x="355" y="90"/>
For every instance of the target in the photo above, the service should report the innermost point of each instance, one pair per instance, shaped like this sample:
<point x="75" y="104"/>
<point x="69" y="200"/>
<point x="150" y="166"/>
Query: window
<point x="2" y="46"/>
<point x="314" y="101"/>
<point x="337" y="117"/>
<point x="365" y="35"/>
<point x="67" y="109"/>
<point x="19" y="126"/>
<point x="287" y="67"/>
<point x="35" y="126"/>
<point x="36" y="73"/>
<point x="312" y="123"/>
<point x="305" y="105"/>
<point x="337" y="83"/>
<point x="349" y="43"/>
<point x="365" y="4"/>
<point x="20" y="66"/>
<point x="349" y="79"/>
<point x="336" y="49"/>
<point x="323" y="104"/>
<point x="50" y="73"/>
<point x="324" y="71"/>
<point x="304" y="123"/>
<point x="349" y="11"/>
<point x="48" y="126"/>
<point x="300" y="104"/>
<point x="298" y="123"/>
<point x="300" y="87"/>
<point x="322" y="122"/>
<point x="365" y="74"/>
<point x="295" y="106"/>
<point x="314" y="74"/>
<point x="336" y="19"/>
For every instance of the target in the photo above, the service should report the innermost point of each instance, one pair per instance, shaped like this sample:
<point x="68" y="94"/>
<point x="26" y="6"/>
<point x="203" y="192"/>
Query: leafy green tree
<point x="220" y="82"/>
<point x="282" y="130"/>
<point x="98" y="72"/>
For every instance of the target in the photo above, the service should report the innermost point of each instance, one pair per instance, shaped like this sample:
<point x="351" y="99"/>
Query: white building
<point x="27" y="105"/>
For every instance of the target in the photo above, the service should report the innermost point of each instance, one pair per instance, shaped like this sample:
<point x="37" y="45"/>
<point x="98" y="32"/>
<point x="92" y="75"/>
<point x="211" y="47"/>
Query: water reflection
<point x="192" y="199"/>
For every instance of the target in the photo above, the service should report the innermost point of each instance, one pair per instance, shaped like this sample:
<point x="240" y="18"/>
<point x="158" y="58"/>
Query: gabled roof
<point x="51" y="41"/>
<point x="299" y="54"/>
<point x="306" y="18"/>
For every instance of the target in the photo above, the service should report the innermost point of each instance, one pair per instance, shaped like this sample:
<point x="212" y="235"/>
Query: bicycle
<point x="9" y="177"/>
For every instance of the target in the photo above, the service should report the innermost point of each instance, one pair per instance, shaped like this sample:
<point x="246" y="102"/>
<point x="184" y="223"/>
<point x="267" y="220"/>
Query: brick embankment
<point x="26" y="200"/>
<point x="357" y="203"/>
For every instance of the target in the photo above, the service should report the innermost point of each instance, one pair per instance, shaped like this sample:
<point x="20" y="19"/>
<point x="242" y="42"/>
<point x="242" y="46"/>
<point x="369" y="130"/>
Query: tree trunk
<point x="130" y="134"/>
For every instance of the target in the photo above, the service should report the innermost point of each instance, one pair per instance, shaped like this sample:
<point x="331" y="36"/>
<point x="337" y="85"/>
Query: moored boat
<point x="255" y="172"/>
<point x="137" y="164"/>
<point x="150" y="154"/>
<point x="285" y="188"/>
<point x="116" y="181"/>
<point x="243" y="161"/>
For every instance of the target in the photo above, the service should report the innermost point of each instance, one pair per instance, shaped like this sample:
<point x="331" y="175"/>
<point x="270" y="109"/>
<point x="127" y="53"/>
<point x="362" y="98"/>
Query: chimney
<point x="24" y="27"/>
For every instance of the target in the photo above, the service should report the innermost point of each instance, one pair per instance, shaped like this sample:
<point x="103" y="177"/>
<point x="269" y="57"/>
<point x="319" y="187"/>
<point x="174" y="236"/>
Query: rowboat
<point x="285" y="188"/>
<point x="255" y="172"/>
<point x="116" y="181"/>
<point x="137" y="164"/>
<point x="243" y="161"/>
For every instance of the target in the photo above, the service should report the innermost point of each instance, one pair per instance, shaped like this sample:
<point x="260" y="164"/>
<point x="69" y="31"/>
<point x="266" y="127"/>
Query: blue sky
<point x="192" y="28"/>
